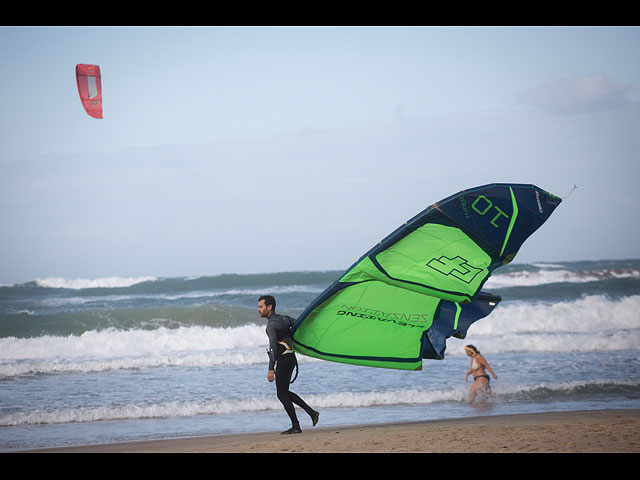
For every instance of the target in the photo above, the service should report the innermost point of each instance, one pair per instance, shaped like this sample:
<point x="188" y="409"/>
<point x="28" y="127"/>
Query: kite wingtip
<point x="570" y="191"/>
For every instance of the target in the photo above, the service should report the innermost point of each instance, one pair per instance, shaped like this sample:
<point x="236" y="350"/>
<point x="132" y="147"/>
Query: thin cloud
<point x="581" y="94"/>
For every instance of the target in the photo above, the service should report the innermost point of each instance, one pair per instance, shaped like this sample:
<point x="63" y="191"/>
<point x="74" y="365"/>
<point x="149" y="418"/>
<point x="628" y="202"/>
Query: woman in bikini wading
<point x="480" y="377"/>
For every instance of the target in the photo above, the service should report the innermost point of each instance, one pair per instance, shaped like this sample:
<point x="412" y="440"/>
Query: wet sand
<point x="599" y="431"/>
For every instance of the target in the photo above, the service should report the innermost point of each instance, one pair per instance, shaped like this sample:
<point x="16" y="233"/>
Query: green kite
<point x="422" y="284"/>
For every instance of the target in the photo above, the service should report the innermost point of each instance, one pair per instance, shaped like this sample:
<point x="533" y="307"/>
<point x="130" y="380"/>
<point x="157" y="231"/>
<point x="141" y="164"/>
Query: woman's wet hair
<point x="472" y="349"/>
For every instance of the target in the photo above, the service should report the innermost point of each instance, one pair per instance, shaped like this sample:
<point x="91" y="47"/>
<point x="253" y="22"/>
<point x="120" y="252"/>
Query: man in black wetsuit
<point x="283" y="359"/>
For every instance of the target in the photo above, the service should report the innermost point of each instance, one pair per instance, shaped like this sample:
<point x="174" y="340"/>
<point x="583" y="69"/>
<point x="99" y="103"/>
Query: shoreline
<point x="588" y="431"/>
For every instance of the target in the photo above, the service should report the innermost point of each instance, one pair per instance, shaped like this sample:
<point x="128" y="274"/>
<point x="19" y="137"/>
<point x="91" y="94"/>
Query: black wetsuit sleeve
<point x="273" y="343"/>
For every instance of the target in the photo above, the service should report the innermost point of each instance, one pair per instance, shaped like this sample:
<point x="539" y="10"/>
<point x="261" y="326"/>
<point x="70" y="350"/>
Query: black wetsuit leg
<point x="284" y="369"/>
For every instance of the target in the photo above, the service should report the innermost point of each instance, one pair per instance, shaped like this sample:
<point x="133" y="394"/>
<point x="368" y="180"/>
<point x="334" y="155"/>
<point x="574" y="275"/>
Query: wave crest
<point x="83" y="283"/>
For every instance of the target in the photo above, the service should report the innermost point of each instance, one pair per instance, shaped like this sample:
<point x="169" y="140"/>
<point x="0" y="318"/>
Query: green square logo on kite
<point x="90" y="88"/>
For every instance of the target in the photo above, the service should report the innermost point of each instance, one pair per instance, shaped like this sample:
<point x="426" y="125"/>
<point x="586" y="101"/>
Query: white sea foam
<point x="168" y="409"/>
<point x="547" y="276"/>
<point x="588" y="324"/>
<point x="189" y="408"/>
<point x="81" y="283"/>
<point x="547" y="265"/>
<point x="590" y="314"/>
<point x="204" y="295"/>
<point x="593" y="323"/>
<point x="113" y="343"/>
<point x="219" y="407"/>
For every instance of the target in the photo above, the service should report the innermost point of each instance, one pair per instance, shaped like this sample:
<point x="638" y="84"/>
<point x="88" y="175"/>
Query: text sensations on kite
<point x="89" y="83"/>
<point x="422" y="284"/>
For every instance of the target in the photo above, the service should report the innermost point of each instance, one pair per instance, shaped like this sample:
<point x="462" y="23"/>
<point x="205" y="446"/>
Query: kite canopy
<point x="90" y="88"/>
<point x="422" y="284"/>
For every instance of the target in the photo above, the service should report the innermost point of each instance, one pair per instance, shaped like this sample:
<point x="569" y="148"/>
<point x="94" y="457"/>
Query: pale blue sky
<point x="245" y="150"/>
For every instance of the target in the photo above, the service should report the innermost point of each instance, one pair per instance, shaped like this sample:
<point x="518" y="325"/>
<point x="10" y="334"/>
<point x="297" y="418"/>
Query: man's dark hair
<point x="268" y="300"/>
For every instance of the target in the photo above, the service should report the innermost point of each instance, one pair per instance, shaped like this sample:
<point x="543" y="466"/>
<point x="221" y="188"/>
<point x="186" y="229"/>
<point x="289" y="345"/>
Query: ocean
<point x="87" y="361"/>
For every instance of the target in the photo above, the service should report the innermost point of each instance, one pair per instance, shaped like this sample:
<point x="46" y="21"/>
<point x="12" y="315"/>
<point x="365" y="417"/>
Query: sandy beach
<point x="599" y="431"/>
